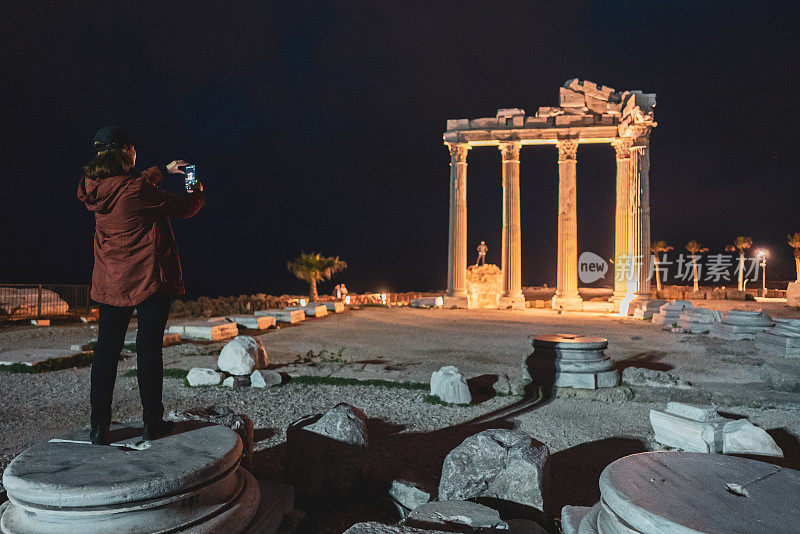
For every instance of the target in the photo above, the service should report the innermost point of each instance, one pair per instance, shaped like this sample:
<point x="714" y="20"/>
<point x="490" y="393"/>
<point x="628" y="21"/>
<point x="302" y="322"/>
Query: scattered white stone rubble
<point x="450" y="386"/>
<point x="646" y="310"/>
<point x="407" y="496"/>
<point x="743" y="437"/>
<point x="639" y="376"/>
<point x="450" y="515"/>
<point x="199" y="376"/>
<point x="265" y="379"/>
<point x="242" y="356"/>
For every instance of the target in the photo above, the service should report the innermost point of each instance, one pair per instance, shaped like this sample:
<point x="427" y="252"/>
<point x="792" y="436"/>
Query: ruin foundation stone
<point x="783" y="338"/>
<point x="689" y="427"/>
<point x="669" y="313"/>
<point x="484" y="286"/>
<point x="570" y="360"/>
<point x="697" y="320"/>
<point x="689" y="492"/>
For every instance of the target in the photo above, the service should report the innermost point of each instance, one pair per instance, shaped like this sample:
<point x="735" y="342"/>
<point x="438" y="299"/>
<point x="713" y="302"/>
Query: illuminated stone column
<point x="457" y="239"/>
<point x="622" y="148"/>
<point x="639" y="217"/>
<point x="512" y="242"/>
<point x="566" y="296"/>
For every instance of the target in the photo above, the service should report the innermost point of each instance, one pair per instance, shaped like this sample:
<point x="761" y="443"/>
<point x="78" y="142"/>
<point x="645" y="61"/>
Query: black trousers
<point x="152" y="316"/>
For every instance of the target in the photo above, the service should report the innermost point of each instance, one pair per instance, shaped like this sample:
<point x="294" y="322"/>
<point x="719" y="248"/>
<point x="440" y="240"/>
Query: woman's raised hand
<point x="174" y="166"/>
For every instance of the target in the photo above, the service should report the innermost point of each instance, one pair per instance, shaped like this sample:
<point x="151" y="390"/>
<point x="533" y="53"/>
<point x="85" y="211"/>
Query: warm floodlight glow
<point x="383" y="298"/>
<point x="302" y="302"/>
<point x="439" y="301"/>
<point x="347" y="299"/>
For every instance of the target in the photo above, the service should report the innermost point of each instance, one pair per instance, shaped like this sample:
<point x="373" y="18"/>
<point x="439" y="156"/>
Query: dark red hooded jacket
<point x="135" y="254"/>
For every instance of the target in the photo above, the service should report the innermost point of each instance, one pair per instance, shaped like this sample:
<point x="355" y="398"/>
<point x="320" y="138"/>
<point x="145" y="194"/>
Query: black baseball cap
<point x="110" y="137"/>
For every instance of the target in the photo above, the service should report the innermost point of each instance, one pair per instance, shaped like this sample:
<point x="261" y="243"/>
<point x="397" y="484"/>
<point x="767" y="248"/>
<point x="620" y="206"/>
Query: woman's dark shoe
<point x="99" y="435"/>
<point x="157" y="429"/>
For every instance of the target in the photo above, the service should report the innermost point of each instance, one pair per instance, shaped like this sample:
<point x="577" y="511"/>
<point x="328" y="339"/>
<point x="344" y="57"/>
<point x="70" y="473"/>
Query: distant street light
<point x="763" y="255"/>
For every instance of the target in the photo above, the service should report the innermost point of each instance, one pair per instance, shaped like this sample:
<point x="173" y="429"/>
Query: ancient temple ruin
<point x="587" y="113"/>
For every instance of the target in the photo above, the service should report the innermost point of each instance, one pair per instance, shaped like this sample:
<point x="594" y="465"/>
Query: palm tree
<point x="794" y="241"/>
<point x="741" y="243"/>
<point x="315" y="268"/>
<point x="695" y="248"/>
<point x="657" y="248"/>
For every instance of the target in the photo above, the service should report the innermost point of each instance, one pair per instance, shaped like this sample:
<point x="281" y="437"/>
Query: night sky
<point x="316" y="126"/>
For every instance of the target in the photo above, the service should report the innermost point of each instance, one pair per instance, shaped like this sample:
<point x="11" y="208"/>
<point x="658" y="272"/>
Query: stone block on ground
<point x="741" y="324"/>
<point x="450" y="386"/>
<point x="427" y="302"/>
<point x="187" y="481"/>
<point x="283" y="315"/>
<point x="225" y="416"/>
<point x="331" y="306"/>
<point x="253" y="322"/>
<point x="669" y="313"/>
<point x="646" y="310"/>
<point x="407" y="496"/>
<point x="499" y="464"/>
<point x="781" y="375"/>
<point x="457" y="516"/>
<point x="743" y="437"/>
<point x="698" y="320"/>
<point x="569" y="360"/>
<point x="688" y="427"/>
<point x="265" y="379"/>
<point x="325" y="451"/>
<point x="690" y="492"/>
<point x="34" y="357"/>
<point x="170" y="339"/>
<point x="311" y="311"/>
<point x="202" y="329"/>
<point x="199" y="376"/>
<point x="242" y="356"/>
<point x="783" y="338"/>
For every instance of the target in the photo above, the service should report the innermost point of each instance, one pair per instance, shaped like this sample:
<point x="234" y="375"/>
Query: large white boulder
<point x="450" y="386"/>
<point x="743" y="437"/>
<point x="242" y="355"/>
<point x="497" y="463"/>
<point x="199" y="376"/>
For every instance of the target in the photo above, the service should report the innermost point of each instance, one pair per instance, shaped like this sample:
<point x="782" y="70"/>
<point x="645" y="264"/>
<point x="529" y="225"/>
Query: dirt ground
<point x="409" y="438"/>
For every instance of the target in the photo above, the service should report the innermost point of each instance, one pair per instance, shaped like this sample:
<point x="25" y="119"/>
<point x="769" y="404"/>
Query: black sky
<point x="317" y="126"/>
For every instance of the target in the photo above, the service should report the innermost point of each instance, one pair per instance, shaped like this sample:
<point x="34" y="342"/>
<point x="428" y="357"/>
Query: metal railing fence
<point x="32" y="301"/>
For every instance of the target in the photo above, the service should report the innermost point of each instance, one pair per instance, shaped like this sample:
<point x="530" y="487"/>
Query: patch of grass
<point x="341" y="381"/>
<point x="83" y="359"/>
<point x="433" y="399"/>
<point x="179" y="374"/>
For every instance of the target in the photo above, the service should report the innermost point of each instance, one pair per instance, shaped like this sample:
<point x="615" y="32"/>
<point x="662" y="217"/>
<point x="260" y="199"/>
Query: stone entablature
<point x="587" y="113"/>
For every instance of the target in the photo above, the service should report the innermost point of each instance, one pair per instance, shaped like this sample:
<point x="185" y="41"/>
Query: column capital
<point x="622" y="146"/>
<point x="640" y="136"/>
<point x="509" y="150"/>
<point x="567" y="149"/>
<point x="458" y="152"/>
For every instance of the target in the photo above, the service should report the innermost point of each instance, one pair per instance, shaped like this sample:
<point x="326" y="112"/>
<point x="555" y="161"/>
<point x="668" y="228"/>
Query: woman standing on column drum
<point x="136" y="267"/>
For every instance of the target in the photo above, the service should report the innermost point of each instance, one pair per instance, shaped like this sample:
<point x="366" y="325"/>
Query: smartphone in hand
<point x="191" y="180"/>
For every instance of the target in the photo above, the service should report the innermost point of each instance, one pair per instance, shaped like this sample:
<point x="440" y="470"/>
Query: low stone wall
<point x="704" y="293"/>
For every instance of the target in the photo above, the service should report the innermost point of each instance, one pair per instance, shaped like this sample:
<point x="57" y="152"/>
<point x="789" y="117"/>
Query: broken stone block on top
<point x="567" y="98"/>
<point x="449" y="384"/>
<point x="669" y="313"/>
<point x="407" y="496"/>
<point x="690" y="427"/>
<point x="743" y="437"/>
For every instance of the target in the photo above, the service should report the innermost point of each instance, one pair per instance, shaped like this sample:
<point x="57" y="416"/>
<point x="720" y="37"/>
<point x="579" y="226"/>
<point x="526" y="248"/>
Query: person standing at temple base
<point x="482" y="250"/>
